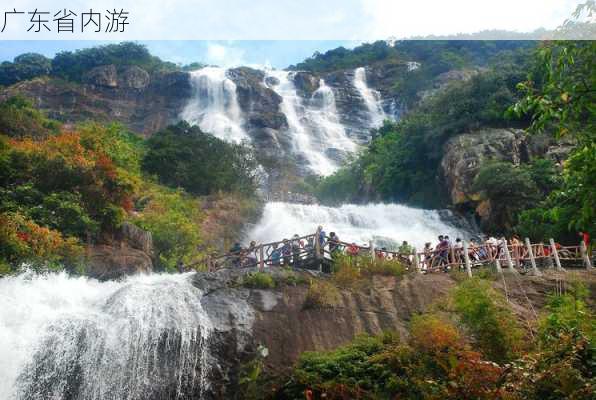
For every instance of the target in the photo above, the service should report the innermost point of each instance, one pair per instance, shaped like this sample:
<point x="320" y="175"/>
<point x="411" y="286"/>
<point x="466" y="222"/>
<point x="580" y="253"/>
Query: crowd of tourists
<point x="444" y="255"/>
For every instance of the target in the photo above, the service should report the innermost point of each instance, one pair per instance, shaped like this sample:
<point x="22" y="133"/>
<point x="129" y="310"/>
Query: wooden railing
<point x="314" y="251"/>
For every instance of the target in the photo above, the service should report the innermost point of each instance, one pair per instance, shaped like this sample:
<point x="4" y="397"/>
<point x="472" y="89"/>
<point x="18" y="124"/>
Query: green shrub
<point x="258" y="280"/>
<point x="568" y="314"/>
<point x="322" y="294"/>
<point x="486" y="315"/>
<point x="174" y="219"/>
<point x="291" y="278"/>
<point x="353" y="271"/>
<point x="385" y="267"/>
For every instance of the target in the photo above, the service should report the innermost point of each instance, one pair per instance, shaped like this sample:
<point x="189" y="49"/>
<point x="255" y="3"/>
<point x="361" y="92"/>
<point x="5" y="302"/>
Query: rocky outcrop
<point x="464" y="154"/>
<point x="127" y="251"/>
<point x="106" y="262"/>
<point x="144" y="102"/>
<point x="104" y="75"/>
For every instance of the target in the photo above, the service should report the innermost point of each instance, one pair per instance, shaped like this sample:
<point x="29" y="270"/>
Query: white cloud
<point x="224" y="56"/>
<point x="412" y="18"/>
<point x="301" y="20"/>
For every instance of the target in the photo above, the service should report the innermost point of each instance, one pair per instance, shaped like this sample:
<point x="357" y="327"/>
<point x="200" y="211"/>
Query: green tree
<point x="26" y="66"/>
<point x="184" y="156"/>
<point x="173" y="218"/>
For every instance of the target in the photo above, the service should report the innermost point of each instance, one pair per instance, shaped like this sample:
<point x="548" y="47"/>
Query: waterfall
<point x="325" y="120"/>
<point x="303" y="142"/>
<point x="77" y="338"/>
<point x="384" y="223"/>
<point x="371" y="98"/>
<point x="214" y="105"/>
<point x="314" y="127"/>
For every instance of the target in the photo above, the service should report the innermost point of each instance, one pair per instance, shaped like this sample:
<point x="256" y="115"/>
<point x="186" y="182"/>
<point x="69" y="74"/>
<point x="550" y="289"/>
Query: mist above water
<point x="354" y="223"/>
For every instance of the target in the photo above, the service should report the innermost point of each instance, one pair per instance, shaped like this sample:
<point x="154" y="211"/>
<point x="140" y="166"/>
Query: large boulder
<point x="112" y="262"/>
<point x="465" y="153"/>
<point x="133" y="77"/>
<point x="104" y="75"/>
<point x="127" y="251"/>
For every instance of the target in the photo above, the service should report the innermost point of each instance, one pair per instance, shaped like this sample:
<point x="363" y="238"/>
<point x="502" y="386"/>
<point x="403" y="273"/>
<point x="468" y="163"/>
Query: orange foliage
<point x="432" y="334"/>
<point x="474" y="378"/>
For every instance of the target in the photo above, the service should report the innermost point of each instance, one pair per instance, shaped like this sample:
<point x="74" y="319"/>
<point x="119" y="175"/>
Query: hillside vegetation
<point x="62" y="188"/>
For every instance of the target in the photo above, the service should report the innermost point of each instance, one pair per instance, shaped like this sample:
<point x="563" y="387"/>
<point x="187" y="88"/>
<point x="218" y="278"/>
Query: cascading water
<point x="214" y="105"/>
<point x="370" y="97"/>
<point x="305" y="141"/>
<point x="324" y="119"/>
<point x="80" y="339"/>
<point x="383" y="223"/>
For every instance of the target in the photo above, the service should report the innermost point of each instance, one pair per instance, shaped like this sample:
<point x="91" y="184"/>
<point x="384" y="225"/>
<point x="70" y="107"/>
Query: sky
<point x="275" y="32"/>
<point x="276" y="54"/>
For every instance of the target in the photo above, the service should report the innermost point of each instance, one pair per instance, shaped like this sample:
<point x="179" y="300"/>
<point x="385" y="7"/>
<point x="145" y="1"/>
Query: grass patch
<point x="322" y="294"/>
<point x="291" y="278"/>
<point x="258" y="280"/>
<point x="354" y="271"/>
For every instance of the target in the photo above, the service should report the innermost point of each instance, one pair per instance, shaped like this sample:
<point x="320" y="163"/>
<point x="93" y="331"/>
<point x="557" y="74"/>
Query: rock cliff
<point x="145" y="103"/>
<point x="464" y="154"/>
<point x="245" y="319"/>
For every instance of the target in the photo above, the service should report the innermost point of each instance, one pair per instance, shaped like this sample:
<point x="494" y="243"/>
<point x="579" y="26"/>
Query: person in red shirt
<point x="352" y="250"/>
<point x="585" y="236"/>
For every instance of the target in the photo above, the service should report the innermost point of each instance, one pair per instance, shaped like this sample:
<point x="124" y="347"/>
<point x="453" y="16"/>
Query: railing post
<point x="372" y="250"/>
<point x="586" y="257"/>
<point x="510" y="266"/>
<point x="261" y="258"/>
<point x="531" y="255"/>
<point x="498" y="263"/>
<point x="416" y="262"/>
<point x="555" y="253"/>
<point x="467" y="259"/>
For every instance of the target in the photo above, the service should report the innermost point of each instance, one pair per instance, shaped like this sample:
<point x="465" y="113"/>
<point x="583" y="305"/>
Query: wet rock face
<point x="306" y="83"/>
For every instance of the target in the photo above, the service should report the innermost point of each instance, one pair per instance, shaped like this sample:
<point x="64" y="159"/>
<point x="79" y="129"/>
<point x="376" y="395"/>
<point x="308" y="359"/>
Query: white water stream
<point x="214" y="105"/>
<point x="77" y="338"/>
<point x="371" y="97"/>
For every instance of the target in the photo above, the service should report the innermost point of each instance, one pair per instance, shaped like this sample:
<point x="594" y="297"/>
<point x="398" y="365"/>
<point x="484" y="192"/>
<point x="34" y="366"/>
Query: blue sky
<point x="278" y="54"/>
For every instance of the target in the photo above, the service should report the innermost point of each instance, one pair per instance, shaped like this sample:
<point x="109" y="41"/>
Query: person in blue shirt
<point x="322" y="235"/>
<point x="275" y="256"/>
